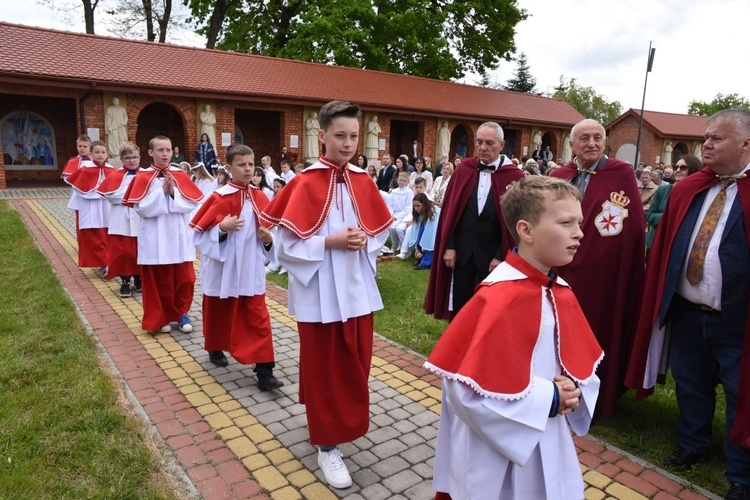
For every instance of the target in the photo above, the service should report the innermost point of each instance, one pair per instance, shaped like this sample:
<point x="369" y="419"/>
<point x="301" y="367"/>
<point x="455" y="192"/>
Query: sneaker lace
<point x="334" y="458"/>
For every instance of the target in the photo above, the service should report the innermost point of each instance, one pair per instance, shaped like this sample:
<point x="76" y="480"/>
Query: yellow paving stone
<point x="584" y="468"/>
<point x="280" y="456"/>
<point x="389" y="368"/>
<point x="223" y="398"/>
<point x="229" y="433"/>
<point x="245" y="421"/>
<point x="269" y="446"/>
<point x="218" y="420"/>
<point x="165" y="365"/>
<point x="228" y="406"/>
<point x="623" y="492"/>
<point x="405" y="376"/>
<point x="214" y="390"/>
<point x="436" y="409"/>
<point x="208" y="409"/>
<point x="593" y="494"/>
<point x="192" y="367"/>
<point x="235" y="414"/>
<point x="242" y="447"/>
<point x="182" y="381"/>
<point x="189" y="389"/>
<point x="301" y="478"/>
<point x="378" y="361"/>
<point x="376" y="372"/>
<point x="205" y="380"/>
<point x="157" y="352"/>
<point x="286" y="493"/>
<point x="170" y="345"/>
<point x="175" y="373"/>
<point x="433" y="392"/>
<point x="415" y="395"/>
<point x="394" y="382"/>
<point x="270" y="478"/>
<point x="429" y="402"/>
<point x="255" y="462"/>
<point x="257" y="433"/>
<point x="596" y="479"/>
<point x="420" y="385"/>
<point x="318" y="491"/>
<point x="289" y="467"/>
<point x="198" y="399"/>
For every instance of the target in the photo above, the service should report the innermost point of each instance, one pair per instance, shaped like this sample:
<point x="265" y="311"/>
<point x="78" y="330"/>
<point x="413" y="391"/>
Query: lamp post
<point x="651" y="53"/>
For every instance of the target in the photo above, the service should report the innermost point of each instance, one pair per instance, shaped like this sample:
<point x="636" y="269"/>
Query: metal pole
<point x="651" y="53"/>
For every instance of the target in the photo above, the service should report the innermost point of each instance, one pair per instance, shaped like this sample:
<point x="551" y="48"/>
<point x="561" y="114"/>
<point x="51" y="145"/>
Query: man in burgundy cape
<point x="460" y="193"/>
<point x="606" y="274"/>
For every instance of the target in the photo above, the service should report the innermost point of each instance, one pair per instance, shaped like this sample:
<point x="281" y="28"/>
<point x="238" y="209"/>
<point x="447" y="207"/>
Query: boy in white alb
<point x="517" y="360"/>
<point x="164" y="197"/>
<point x="232" y="246"/>
<point x="332" y="222"/>
<point x="401" y="198"/>
<point x="287" y="173"/>
<point x="123" y="222"/>
<point x="92" y="212"/>
<point x="268" y="170"/>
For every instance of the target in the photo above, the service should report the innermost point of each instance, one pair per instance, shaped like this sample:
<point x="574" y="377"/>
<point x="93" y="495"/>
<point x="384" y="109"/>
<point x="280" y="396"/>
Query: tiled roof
<point x="28" y="52"/>
<point x="668" y="124"/>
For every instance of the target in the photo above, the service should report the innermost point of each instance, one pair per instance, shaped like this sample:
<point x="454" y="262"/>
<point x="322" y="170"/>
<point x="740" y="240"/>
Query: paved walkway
<point x="229" y="440"/>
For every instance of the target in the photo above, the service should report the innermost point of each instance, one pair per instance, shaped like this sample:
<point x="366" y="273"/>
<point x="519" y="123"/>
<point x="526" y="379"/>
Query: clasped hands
<point x="569" y="394"/>
<point x="234" y="223"/>
<point x="352" y="239"/>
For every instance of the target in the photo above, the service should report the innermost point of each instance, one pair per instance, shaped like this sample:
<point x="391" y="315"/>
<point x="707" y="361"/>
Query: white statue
<point x="567" y="151"/>
<point x="371" y="140"/>
<point x="537" y="140"/>
<point x="668" y="153"/>
<point x="311" y="143"/>
<point x="208" y="123"/>
<point x="698" y="150"/>
<point x="116" y="126"/>
<point x="444" y="140"/>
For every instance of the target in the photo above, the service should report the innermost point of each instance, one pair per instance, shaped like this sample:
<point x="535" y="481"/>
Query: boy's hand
<point x="264" y="235"/>
<point x="168" y="186"/>
<point x="352" y="239"/>
<point x="569" y="394"/>
<point x="449" y="257"/>
<point x="231" y="223"/>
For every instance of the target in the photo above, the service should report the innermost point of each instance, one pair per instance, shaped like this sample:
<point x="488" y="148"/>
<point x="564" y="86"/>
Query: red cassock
<point x="607" y="272"/>
<point x="122" y="250"/>
<point x="457" y="195"/>
<point x="677" y="207"/>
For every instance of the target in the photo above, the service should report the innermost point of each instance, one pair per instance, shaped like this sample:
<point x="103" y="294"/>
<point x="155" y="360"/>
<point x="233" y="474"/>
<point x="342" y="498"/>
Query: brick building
<point x="661" y="131"/>
<point x="55" y="85"/>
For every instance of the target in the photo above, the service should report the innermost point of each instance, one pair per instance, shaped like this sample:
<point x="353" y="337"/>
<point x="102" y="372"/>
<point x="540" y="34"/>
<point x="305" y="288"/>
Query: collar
<point x="598" y="165"/>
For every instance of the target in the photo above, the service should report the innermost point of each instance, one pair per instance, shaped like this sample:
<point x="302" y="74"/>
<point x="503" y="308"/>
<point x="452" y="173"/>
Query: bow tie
<point x="483" y="168"/>
<point x="582" y="170"/>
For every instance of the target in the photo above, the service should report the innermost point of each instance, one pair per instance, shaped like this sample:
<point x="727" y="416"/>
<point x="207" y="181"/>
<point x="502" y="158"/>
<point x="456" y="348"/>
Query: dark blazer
<point x="384" y="177"/>
<point x="477" y="236"/>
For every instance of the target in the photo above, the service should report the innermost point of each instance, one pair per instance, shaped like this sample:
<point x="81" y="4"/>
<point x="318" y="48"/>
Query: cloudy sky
<point x="701" y="47"/>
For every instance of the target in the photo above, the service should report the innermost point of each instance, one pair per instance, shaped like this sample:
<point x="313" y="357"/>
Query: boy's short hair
<point x="99" y="143"/>
<point x="83" y="138"/>
<point x="334" y="109"/>
<point x="420" y="181"/>
<point x="238" y="150"/>
<point x="404" y="175"/>
<point x="129" y="147"/>
<point x="266" y="159"/>
<point x="285" y="162"/>
<point x="524" y="199"/>
<point x="158" y="138"/>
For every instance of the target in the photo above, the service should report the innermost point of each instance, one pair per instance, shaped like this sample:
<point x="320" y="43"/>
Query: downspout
<point x="80" y="106"/>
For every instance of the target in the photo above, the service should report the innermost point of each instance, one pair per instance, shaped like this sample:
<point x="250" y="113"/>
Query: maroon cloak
<point x="457" y="195"/>
<point x="607" y="271"/>
<point x="677" y="207"/>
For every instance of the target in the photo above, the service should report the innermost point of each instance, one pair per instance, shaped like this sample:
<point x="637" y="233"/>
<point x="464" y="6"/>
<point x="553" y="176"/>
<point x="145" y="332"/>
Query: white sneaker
<point x="403" y="256"/>
<point x="282" y="270"/>
<point x="334" y="469"/>
<point x="166" y="328"/>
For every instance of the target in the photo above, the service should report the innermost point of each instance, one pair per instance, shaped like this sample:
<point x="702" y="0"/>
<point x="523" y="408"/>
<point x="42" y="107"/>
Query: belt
<point x="682" y="301"/>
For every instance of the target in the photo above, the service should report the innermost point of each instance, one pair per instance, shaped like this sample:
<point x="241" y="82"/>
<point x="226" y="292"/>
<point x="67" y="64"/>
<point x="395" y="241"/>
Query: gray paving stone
<point x="303" y="449"/>
<point x="362" y="443"/>
<point x="402" y="481"/>
<point x="376" y="492"/>
<point x="424" y="418"/>
<point x="399" y="414"/>
<point x="404" y="426"/>
<point x="421" y="491"/>
<point x="418" y="453"/>
<point x="294" y="421"/>
<point x="416" y="409"/>
<point x="390" y="466"/>
<point x="293" y="437"/>
<point x="364" y="458"/>
<point x="389" y="404"/>
<point x="411" y="439"/>
<point x="275" y="416"/>
<point x="382" y="435"/>
<point x="424" y="470"/>
<point x="364" y="477"/>
<point x="355" y="496"/>
<point x="382" y="420"/>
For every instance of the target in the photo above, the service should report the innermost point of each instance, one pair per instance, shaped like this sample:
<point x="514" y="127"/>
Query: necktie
<point x="697" y="257"/>
<point x="482" y="167"/>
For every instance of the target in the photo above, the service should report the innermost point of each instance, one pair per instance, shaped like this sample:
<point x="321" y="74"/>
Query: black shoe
<point x="136" y="283"/>
<point x="268" y="383"/>
<point x="218" y="358"/>
<point x="681" y="459"/>
<point x="738" y="491"/>
<point x="125" y="290"/>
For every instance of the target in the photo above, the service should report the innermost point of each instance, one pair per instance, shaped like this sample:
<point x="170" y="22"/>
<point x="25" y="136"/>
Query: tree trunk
<point x="148" y="13"/>
<point x="88" y="15"/>
<point x="164" y="21"/>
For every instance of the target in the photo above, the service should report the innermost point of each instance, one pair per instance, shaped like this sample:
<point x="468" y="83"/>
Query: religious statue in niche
<point x="116" y="126"/>
<point x="371" y="140"/>
<point x="208" y="123"/>
<point x="311" y="143"/>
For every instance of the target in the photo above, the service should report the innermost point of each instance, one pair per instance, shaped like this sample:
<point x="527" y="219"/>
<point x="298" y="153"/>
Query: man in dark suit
<point x="695" y="308"/>
<point x="385" y="176"/>
<point x="471" y="238"/>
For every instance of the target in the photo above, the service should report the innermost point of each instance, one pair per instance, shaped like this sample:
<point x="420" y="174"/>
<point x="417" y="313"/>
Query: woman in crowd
<point x="420" y="171"/>
<point x="205" y="153"/>
<point x="259" y="181"/>
<point x="402" y="165"/>
<point x="201" y="178"/>
<point x="362" y="162"/>
<point x="222" y="177"/>
<point x="278" y="184"/>
<point x="425" y="217"/>
<point x="441" y="184"/>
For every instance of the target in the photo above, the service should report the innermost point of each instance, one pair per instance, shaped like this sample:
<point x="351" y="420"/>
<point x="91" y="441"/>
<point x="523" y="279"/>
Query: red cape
<point x="456" y="197"/>
<point x="113" y="181"/>
<point x="138" y="189"/>
<point x="73" y="165"/>
<point x="500" y="327"/>
<point x="89" y="176"/>
<point x="677" y="207"/>
<point x="607" y="272"/>
<point x="303" y="205"/>
<point x="227" y="200"/>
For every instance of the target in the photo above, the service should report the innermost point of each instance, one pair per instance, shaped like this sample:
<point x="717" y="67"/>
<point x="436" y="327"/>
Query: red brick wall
<point x="626" y="132"/>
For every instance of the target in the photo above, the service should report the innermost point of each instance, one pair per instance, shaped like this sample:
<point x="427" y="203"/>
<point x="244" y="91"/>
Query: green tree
<point x="522" y="81"/>
<point x="587" y="101"/>
<point x="719" y="102"/>
<point x="432" y="38"/>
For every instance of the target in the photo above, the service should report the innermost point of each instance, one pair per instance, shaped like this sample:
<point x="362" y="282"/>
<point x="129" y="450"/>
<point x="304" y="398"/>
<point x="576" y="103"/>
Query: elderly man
<point x="696" y="304"/>
<point x="669" y="175"/>
<point x="472" y="238"/>
<point x="647" y="189"/>
<point x="607" y="271"/>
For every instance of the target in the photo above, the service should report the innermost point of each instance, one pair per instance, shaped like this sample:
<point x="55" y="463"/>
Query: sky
<point x="604" y="44"/>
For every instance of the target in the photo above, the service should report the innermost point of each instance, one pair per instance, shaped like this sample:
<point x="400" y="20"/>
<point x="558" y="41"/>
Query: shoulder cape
<point x="113" y="182"/>
<point x="138" y="189"/>
<point x="303" y="205"/>
<point x="73" y="164"/>
<point x="227" y="200"/>
<point x="89" y="176"/>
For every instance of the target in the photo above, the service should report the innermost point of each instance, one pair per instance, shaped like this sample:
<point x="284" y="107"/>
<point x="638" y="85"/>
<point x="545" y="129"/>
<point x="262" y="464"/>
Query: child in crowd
<point x="517" y="360"/>
<point x="287" y="173"/>
<point x="425" y="215"/>
<point x="83" y="145"/>
<point x="259" y="181"/>
<point x="222" y="177"/>
<point x="420" y="186"/>
<point x="329" y="249"/>
<point x="164" y="197"/>
<point x="278" y="184"/>
<point x="232" y="244"/>
<point x="92" y="212"/>
<point x="401" y="198"/>
<point x="184" y="166"/>
<point x="268" y="170"/>
<point x="123" y="222"/>
<point x="201" y="178"/>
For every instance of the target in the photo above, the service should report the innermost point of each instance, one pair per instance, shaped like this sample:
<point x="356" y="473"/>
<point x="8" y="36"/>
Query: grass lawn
<point x="65" y="431"/>
<point x="643" y="428"/>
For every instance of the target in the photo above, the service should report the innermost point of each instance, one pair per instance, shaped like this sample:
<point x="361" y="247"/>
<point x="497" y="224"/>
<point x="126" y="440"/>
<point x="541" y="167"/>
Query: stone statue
<point x="667" y="153"/>
<point x="311" y="143"/>
<point x="208" y="124"/>
<point x="116" y="126"/>
<point x="698" y="150"/>
<point x="371" y="140"/>
<point x="444" y="140"/>
<point x="567" y="152"/>
<point x="537" y="140"/>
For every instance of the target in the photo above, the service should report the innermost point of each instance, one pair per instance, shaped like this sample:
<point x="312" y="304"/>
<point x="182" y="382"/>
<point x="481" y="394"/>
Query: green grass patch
<point x="64" y="429"/>
<point x="644" y="428"/>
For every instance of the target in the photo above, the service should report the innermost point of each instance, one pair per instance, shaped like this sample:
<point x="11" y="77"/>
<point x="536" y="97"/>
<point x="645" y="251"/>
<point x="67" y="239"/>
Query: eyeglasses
<point x="681" y="167"/>
<point x="131" y="158"/>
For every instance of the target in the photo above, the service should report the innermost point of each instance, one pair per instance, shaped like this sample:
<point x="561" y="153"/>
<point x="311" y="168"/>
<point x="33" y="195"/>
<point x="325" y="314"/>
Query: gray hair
<point x="740" y="116"/>
<point x="497" y="127"/>
<point x="575" y="128"/>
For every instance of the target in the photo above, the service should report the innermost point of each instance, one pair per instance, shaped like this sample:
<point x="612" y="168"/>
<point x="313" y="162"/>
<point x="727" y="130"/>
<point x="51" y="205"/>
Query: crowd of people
<point x="541" y="269"/>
